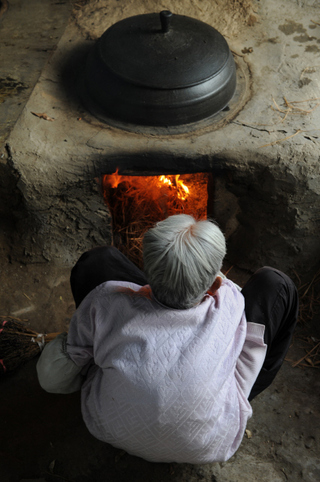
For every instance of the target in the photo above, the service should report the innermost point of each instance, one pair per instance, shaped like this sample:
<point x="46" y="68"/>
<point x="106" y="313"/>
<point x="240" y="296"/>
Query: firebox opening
<point x="136" y="203"/>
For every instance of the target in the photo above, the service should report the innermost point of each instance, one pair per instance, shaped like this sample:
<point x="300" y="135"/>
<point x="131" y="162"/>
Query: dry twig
<point x="281" y="140"/>
<point x="309" y="304"/>
<point x="43" y="115"/>
<point x="307" y="355"/>
<point x="291" y="107"/>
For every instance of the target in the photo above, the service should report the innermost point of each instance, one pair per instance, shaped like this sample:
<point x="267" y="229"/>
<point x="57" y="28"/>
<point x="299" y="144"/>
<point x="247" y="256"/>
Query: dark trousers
<point x="271" y="299"/>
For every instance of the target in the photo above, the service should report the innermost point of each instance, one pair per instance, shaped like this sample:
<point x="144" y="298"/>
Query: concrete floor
<point x="43" y="437"/>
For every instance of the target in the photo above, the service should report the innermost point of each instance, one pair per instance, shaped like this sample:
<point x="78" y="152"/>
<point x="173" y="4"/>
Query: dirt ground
<point x="44" y="438"/>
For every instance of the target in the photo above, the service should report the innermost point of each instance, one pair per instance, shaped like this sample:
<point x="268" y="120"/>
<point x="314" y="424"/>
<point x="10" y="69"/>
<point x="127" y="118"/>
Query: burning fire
<point x="182" y="191"/>
<point x="136" y="203"/>
<point x="114" y="179"/>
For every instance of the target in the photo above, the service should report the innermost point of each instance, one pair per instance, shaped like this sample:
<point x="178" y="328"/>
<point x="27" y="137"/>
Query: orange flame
<point x="181" y="188"/>
<point x="114" y="179"/>
<point x="182" y="191"/>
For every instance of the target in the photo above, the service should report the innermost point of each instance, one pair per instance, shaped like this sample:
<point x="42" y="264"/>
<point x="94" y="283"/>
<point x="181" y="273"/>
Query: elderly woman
<point x="169" y="359"/>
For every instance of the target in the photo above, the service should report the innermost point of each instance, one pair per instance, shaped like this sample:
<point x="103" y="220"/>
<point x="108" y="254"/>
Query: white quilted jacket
<point x="166" y="385"/>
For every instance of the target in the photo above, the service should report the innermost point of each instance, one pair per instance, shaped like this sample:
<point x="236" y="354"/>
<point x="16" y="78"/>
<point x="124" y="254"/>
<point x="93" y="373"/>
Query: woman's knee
<point x="268" y="278"/>
<point x="97" y="253"/>
<point x="93" y="258"/>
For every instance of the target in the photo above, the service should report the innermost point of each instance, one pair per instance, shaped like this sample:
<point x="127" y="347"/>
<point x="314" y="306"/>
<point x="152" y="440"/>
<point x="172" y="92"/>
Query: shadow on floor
<point x="44" y="438"/>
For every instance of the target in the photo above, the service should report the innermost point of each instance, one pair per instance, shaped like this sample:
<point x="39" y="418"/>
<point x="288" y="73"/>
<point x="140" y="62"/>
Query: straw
<point x="19" y="343"/>
<point x="136" y="203"/>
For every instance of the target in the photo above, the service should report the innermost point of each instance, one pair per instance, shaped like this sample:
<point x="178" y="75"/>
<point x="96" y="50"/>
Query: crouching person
<point x="168" y="360"/>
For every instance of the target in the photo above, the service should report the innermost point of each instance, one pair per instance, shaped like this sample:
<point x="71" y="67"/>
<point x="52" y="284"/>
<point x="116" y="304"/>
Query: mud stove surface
<point x="265" y="184"/>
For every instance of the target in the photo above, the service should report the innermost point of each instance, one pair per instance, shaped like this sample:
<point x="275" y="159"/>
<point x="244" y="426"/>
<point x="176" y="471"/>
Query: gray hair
<point x="182" y="257"/>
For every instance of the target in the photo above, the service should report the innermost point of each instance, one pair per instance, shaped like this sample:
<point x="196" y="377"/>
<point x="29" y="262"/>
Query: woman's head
<point x="182" y="257"/>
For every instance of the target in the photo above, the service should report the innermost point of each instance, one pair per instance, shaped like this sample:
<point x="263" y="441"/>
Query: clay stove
<point x="263" y="162"/>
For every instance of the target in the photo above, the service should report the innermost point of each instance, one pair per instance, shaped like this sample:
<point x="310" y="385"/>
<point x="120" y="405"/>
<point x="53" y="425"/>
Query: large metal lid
<point x="165" y="52"/>
<point x="158" y="71"/>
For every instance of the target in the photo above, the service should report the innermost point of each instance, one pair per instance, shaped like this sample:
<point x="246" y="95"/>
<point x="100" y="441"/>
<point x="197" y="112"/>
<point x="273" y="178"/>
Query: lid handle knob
<point x="165" y="17"/>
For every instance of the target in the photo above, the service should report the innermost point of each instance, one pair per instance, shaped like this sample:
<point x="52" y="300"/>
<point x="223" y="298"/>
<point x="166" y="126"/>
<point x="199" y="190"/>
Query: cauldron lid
<point x="166" y="52"/>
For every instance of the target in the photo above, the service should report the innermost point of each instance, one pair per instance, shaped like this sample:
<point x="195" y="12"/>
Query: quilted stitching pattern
<point x="165" y="387"/>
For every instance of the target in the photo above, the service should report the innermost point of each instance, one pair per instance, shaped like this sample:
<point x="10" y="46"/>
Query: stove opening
<point x="136" y="203"/>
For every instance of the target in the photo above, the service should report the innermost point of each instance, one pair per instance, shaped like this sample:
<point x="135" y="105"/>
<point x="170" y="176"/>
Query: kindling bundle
<point x="18" y="343"/>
